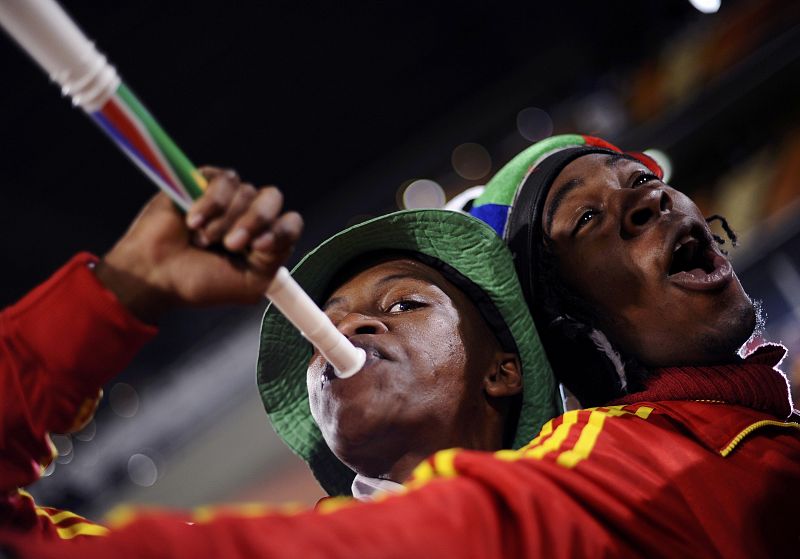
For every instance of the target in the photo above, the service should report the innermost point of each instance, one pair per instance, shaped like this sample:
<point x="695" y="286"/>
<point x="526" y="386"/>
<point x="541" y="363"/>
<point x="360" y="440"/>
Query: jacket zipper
<point x="750" y="428"/>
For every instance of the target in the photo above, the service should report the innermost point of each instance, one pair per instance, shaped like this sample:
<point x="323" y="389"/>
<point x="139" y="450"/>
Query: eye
<point x="643" y="178"/>
<point x="585" y="218"/>
<point x="404" y="306"/>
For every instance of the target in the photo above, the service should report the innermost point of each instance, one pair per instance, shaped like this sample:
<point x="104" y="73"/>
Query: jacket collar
<point x="745" y="395"/>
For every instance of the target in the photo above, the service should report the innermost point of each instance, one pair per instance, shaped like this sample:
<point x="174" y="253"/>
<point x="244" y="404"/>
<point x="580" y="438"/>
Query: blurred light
<point x="398" y="194"/>
<point x="423" y="193"/>
<point x="663" y="161"/>
<point x="66" y="459"/>
<point x="534" y="124"/>
<point x="124" y="400"/>
<point x="48" y="471"/>
<point x="461" y="200"/>
<point x="63" y="444"/>
<point x="787" y="278"/>
<point x="471" y="161"/>
<point x="142" y="470"/>
<point x="706" y="6"/>
<point x="87" y="433"/>
<point x="601" y="112"/>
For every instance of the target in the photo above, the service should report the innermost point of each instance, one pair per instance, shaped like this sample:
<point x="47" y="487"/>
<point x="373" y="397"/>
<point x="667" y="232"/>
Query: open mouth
<point x="692" y="251"/>
<point x="695" y="264"/>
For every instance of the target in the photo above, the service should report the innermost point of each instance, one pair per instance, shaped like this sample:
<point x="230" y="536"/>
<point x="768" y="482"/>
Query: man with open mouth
<point x="638" y="307"/>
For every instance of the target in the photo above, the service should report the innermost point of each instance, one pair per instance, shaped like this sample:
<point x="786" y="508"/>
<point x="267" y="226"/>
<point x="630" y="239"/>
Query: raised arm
<point x="63" y="341"/>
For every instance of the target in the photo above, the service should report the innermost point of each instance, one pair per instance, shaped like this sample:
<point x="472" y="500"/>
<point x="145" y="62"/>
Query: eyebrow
<point x="558" y="197"/>
<point x="611" y="162"/>
<point x="331" y="302"/>
<point x="383" y="281"/>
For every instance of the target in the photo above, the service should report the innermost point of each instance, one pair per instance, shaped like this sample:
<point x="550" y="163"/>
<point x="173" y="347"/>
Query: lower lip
<point x="699" y="280"/>
<point x="372" y="357"/>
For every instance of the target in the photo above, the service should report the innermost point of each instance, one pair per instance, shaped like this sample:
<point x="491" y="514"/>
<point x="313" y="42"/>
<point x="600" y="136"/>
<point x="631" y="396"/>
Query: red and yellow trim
<point x="85" y="413"/>
<point x="582" y="426"/>
<point x="67" y="524"/>
<point x="567" y="440"/>
<point x="204" y="515"/>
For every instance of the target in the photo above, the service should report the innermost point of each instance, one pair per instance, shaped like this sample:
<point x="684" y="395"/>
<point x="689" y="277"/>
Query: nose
<point x="644" y="206"/>
<point x="356" y="323"/>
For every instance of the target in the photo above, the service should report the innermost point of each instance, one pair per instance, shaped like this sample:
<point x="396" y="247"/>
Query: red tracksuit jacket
<point x="689" y="468"/>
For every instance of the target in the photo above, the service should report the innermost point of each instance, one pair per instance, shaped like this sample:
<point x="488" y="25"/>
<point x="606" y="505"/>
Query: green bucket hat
<point x="461" y="248"/>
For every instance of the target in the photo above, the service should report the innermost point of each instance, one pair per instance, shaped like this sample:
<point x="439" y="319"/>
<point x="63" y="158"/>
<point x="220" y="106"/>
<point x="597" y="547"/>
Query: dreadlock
<point x="728" y="231"/>
<point x="568" y="323"/>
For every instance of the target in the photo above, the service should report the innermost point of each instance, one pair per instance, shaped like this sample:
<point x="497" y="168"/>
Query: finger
<point x="210" y="171"/>
<point x="274" y="247"/>
<point x="285" y="232"/>
<point x="221" y="188"/>
<point x="216" y="228"/>
<point x="258" y="218"/>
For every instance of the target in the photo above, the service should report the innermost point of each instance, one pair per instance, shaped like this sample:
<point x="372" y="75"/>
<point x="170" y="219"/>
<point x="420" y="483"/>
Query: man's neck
<point x="755" y="382"/>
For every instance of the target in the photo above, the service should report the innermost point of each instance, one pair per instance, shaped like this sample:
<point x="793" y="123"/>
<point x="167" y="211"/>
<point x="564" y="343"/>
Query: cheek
<point x="598" y="277"/>
<point x="439" y="345"/>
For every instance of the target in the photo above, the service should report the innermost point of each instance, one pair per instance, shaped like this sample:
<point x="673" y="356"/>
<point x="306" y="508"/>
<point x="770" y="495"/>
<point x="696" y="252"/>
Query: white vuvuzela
<point x="53" y="40"/>
<point x="56" y="43"/>
<point x="315" y="325"/>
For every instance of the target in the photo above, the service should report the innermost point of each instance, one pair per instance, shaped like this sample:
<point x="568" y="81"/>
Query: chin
<point x="734" y="327"/>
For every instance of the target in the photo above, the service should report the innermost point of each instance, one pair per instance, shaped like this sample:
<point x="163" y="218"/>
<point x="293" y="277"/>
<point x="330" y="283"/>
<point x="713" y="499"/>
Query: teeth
<point x="682" y="241"/>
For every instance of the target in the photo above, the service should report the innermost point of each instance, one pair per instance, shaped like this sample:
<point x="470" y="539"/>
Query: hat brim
<point x="460" y="241"/>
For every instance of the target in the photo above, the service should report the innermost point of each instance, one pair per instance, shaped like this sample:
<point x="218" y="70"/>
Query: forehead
<point x="385" y="271"/>
<point x="596" y="170"/>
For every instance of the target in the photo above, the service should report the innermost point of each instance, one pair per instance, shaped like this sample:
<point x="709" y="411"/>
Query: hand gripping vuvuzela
<point x="53" y="40"/>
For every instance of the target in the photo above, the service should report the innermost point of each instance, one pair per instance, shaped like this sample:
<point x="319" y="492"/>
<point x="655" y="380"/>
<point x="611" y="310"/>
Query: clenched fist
<point x="225" y="250"/>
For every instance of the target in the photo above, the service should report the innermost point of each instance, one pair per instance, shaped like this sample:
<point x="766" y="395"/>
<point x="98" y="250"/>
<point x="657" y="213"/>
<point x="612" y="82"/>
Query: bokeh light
<point x="142" y="470"/>
<point x="534" y="124"/>
<point x="663" y="161"/>
<point x="87" y="433"/>
<point x="471" y="161"/>
<point x="706" y="6"/>
<point x="423" y="193"/>
<point x="63" y="444"/>
<point x="124" y="400"/>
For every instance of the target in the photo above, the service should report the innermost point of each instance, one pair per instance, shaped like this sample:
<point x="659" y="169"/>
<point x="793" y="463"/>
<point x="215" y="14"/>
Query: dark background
<point x="305" y="97"/>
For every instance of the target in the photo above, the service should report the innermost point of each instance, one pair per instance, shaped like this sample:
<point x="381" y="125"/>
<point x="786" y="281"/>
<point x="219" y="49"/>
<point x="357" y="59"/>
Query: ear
<point x="505" y="377"/>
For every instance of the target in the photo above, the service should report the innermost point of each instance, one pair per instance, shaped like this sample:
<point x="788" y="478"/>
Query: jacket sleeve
<point x="460" y="517"/>
<point x="460" y="503"/>
<point x="58" y="346"/>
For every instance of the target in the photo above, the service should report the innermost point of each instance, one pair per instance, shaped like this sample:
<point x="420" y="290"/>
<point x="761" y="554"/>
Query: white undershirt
<point x="367" y="488"/>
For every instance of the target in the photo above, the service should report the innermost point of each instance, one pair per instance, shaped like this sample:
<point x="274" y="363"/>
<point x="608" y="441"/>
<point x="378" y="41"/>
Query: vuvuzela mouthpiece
<point x="315" y="325"/>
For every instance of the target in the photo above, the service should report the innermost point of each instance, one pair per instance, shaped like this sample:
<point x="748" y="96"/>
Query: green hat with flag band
<point x="465" y="251"/>
<point x="513" y="199"/>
